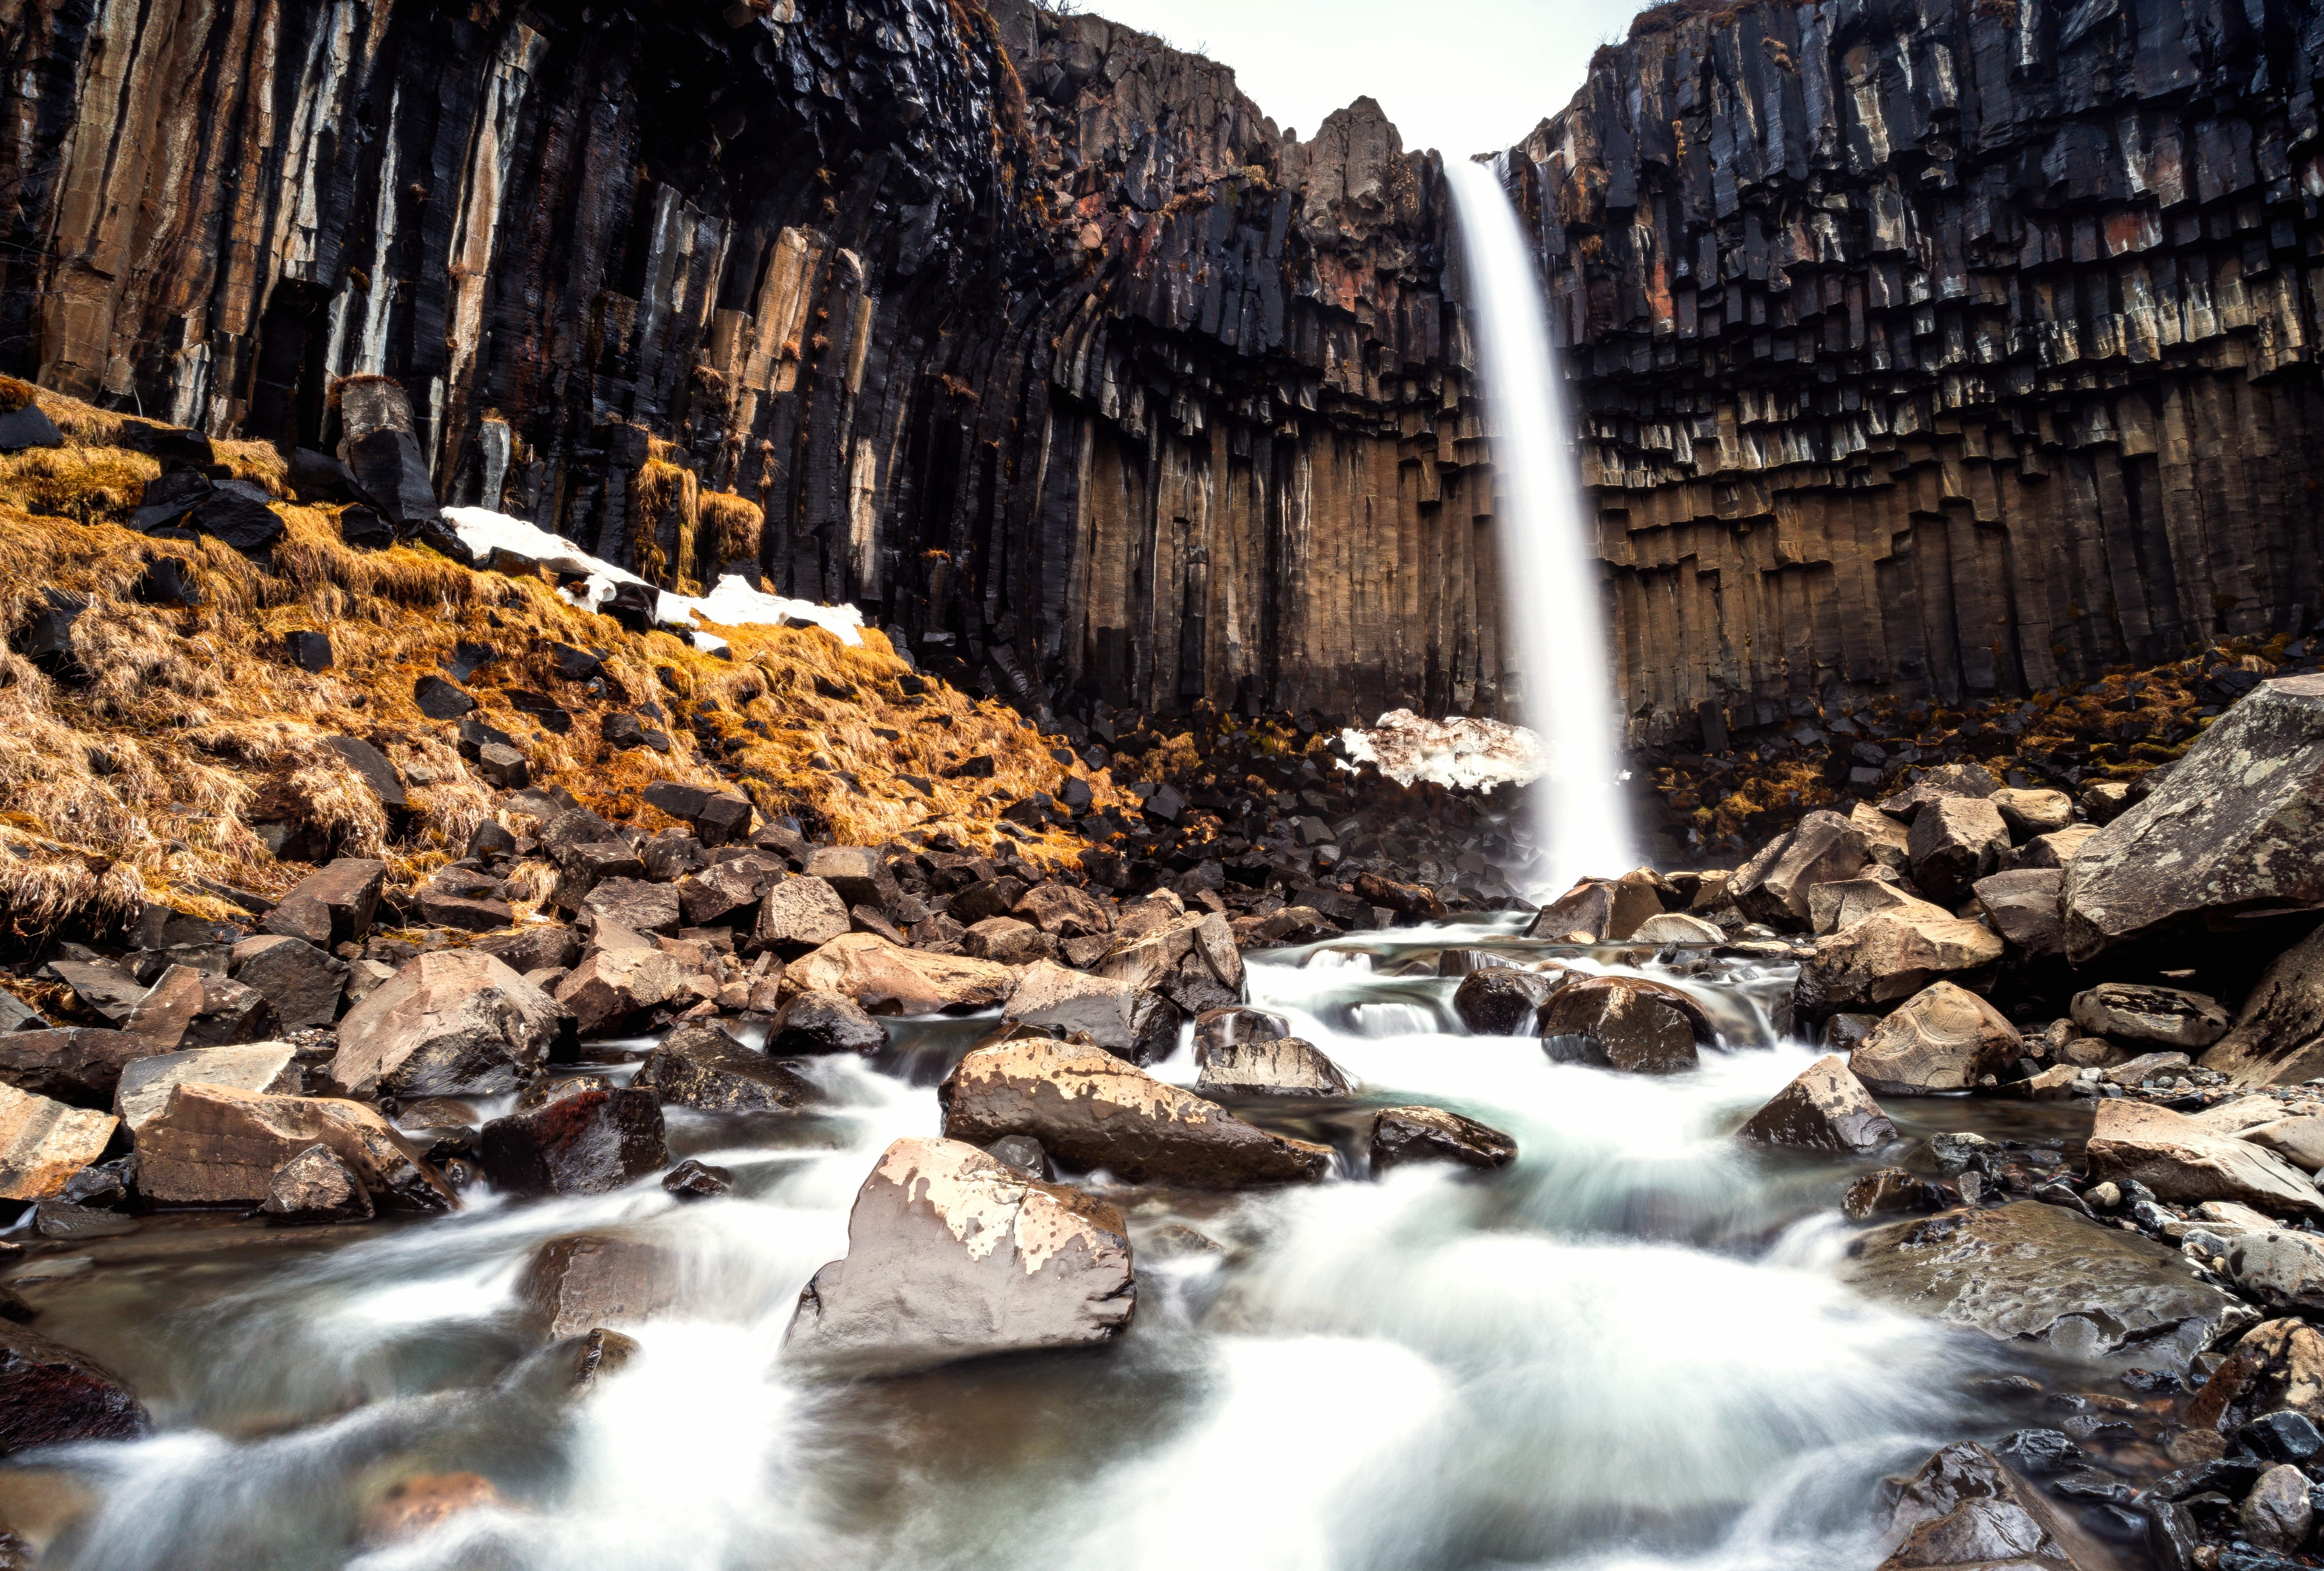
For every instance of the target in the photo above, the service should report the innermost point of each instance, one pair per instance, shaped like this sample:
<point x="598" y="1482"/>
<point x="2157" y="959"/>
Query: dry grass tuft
<point x="729" y="529"/>
<point x="140" y="780"/>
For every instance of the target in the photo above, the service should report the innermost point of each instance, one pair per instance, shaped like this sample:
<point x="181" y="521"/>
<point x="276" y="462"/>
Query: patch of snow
<point x="1459" y="753"/>
<point x="731" y="603"/>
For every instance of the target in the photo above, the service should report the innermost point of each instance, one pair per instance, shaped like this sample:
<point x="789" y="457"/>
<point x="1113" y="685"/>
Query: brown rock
<point x="1937" y="784"/>
<point x="1965" y="1509"/>
<point x="1824" y="849"/>
<point x="1943" y="1039"/>
<point x="1891" y="954"/>
<point x="347" y="894"/>
<point x="450" y="1023"/>
<point x="699" y="1066"/>
<point x="301" y="984"/>
<point x="2023" y="906"/>
<point x="76" y="1065"/>
<point x="1132" y="1022"/>
<point x="214" y="1145"/>
<point x="952" y="1254"/>
<point x="887" y="979"/>
<point x="587" y="1144"/>
<point x="1089" y="1110"/>
<point x="819" y="1023"/>
<point x="190" y="1009"/>
<point x="1624" y="1022"/>
<point x="719" y="892"/>
<point x="1412" y="902"/>
<point x="43" y="1142"/>
<point x="1955" y="841"/>
<point x="610" y="988"/>
<point x="146" y="1084"/>
<point x="2183" y="1159"/>
<point x="2278" y="1035"/>
<point x="2030" y="814"/>
<point x="2166" y="1016"/>
<point x="585" y="1279"/>
<point x="1504" y="1001"/>
<point x="1230" y="1027"/>
<point x="1824" y="1108"/>
<point x="1602" y="908"/>
<point x="1290" y="1066"/>
<point x="1007" y="941"/>
<point x="315" y="1186"/>
<point x="537" y="946"/>
<point x="1420" y="1134"/>
<point x="2056" y="848"/>
<point x="49" y="1395"/>
<point x="1833" y="906"/>
<point x="634" y="904"/>
<point x="415" y="1506"/>
<point x="1062" y="910"/>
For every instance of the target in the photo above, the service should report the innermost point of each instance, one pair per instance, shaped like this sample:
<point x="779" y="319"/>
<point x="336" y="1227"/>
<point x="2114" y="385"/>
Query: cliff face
<point x="1026" y="333"/>
<point x="1944" y="349"/>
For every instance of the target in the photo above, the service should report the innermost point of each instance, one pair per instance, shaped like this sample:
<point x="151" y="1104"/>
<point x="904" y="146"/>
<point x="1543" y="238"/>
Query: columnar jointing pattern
<point x="1029" y="333"/>
<point x="1944" y="350"/>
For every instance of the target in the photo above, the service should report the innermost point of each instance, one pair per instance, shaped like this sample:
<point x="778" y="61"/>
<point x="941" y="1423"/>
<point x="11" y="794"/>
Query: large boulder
<point x="1401" y="1136"/>
<point x="1602" y="908"/>
<point x="215" y="1145"/>
<point x="1833" y="906"/>
<point x="1824" y="1108"/>
<point x="2278" y="1035"/>
<point x="1955" y="841"/>
<point x="1128" y="1021"/>
<point x="2029" y="1272"/>
<point x="612" y="987"/>
<point x="1504" y="1001"/>
<point x="315" y="1186"/>
<point x="1625" y="1023"/>
<point x="268" y="1066"/>
<point x="1945" y="1038"/>
<point x="51" y="1394"/>
<point x="699" y="1066"/>
<point x="301" y="983"/>
<point x="79" y="1065"/>
<point x="1891" y="954"/>
<point x="819" y="1023"/>
<point x="952" y="1254"/>
<point x="43" y="1142"/>
<point x="2233" y="833"/>
<point x="332" y="905"/>
<point x="635" y="904"/>
<point x="1289" y="1066"/>
<point x="582" y="1281"/>
<point x="2181" y="1159"/>
<point x="2023" y="906"/>
<point x="887" y="979"/>
<point x="586" y="1144"/>
<point x="2166" y="1016"/>
<point x="452" y="1023"/>
<point x="1772" y="887"/>
<point x="1964" y="1508"/>
<point x="185" y="1007"/>
<point x="1089" y="1110"/>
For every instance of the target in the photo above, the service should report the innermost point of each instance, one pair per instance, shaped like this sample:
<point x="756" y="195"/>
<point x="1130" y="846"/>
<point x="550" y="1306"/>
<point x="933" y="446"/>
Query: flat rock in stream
<point x="215" y="1145"/>
<point x="1965" y="1509"/>
<point x="2035" y="1272"/>
<point x="1089" y="1109"/>
<point x="585" y="1144"/>
<point x="697" y="1065"/>
<point x="1289" y="1066"/>
<point x="49" y="1395"/>
<point x="2183" y="1159"/>
<point x="585" y="1279"/>
<point x="952" y="1254"/>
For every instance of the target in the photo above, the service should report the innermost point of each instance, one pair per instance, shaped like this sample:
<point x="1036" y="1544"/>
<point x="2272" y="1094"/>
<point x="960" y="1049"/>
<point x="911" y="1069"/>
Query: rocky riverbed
<point x="656" y="1094"/>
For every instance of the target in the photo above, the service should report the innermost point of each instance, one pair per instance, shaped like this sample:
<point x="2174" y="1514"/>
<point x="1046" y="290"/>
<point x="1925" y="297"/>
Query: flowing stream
<point x="1551" y="589"/>
<point x="1629" y="1349"/>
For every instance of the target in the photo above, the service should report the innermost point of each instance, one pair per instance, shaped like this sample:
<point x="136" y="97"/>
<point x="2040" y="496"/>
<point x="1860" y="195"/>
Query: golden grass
<point x="729" y="529"/>
<point x="135" y="784"/>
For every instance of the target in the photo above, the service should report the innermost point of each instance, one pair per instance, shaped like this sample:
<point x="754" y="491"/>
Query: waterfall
<point x="1550" y="591"/>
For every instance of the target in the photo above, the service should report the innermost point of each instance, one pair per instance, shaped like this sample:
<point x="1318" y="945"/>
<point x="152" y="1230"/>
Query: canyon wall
<point x="1940" y="349"/>
<point x="1027" y="333"/>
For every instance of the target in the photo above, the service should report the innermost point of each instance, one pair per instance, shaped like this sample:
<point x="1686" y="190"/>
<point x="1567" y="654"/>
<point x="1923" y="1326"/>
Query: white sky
<point x="1460" y="76"/>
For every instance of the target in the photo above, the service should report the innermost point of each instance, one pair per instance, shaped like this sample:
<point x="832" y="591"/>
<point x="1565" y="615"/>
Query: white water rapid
<point x="1630" y="1349"/>
<point x="1550" y="581"/>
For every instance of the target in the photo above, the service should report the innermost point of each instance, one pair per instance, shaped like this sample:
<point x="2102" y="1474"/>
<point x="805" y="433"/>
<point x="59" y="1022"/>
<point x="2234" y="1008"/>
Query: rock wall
<point x="1027" y="333"/>
<point x="1940" y="349"/>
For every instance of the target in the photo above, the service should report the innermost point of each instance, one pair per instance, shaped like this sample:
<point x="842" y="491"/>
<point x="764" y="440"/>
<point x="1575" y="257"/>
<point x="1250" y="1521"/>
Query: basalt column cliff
<point x="1027" y="333"/>
<point x="1940" y="350"/>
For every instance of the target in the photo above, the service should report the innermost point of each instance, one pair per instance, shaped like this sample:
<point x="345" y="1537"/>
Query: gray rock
<point x="951" y="1255"/>
<point x="699" y="1066"/>
<point x="2166" y="1016"/>
<point x="190" y="1009"/>
<point x="582" y="1281"/>
<point x="1128" y="1021"/>
<point x="2233" y="833"/>
<point x="450" y="1023"/>
<point x="315" y="1186"/>
<point x="820" y="1022"/>
<point x="634" y="903"/>
<point x="1422" y="1133"/>
<point x="79" y="1065"/>
<point x="1503" y="1001"/>
<point x="302" y="983"/>
<point x="1964" y="1508"/>
<point x="2027" y="1271"/>
<point x="2181" y="1159"/>
<point x="1955" y="841"/>
<point x="1288" y="1067"/>
<point x="271" y="1068"/>
<point x="1824" y="1108"/>
<point x="2023" y="906"/>
<point x="800" y="913"/>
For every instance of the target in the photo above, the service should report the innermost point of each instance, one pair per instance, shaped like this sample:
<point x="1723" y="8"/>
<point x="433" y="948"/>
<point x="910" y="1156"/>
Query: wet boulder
<point x="1891" y="954"/>
<point x="1132" y="1022"/>
<point x="451" y="1022"/>
<point x="1602" y="908"/>
<point x="582" y="1281"/>
<point x="2166" y="1016"/>
<point x="185" y="1007"/>
<point x="952" y="1254"/>
<point x="1627" y="1024"/>
<point x="2042" y="1273"/>
<point x="43" y="1142"/>
<point x="696" y="1180"/>
<point x="699" y="1066"/>
<point x="1955" y="840"/>
<point x="51" y="1394"/>
<point x="1964" y="1508"/>
<point x="887" y="979"/>
<point x="1504" y="1001"/>
<point x="1290" y="1066"/>
<point x="1401" y="1136"/>
<point x="79" y="1065"/>
<point x="315" y="1186"/>
<point x="2183" y="1159"/>
<point x="215" y="1145"/>
<point x="1089" y="1110"/>
<point x="822" y="1022"/>
<point x="1772" y="887"/>
<point x="1236" y="1026"/>
<point x="2231" y="834"/>
<point x="1824" y="1108"/>
<point x="268" y="1067"/>
<point x="587" y="1144"/>
<point x="302" y="984"/>
<point x="1945" y="1038"/>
